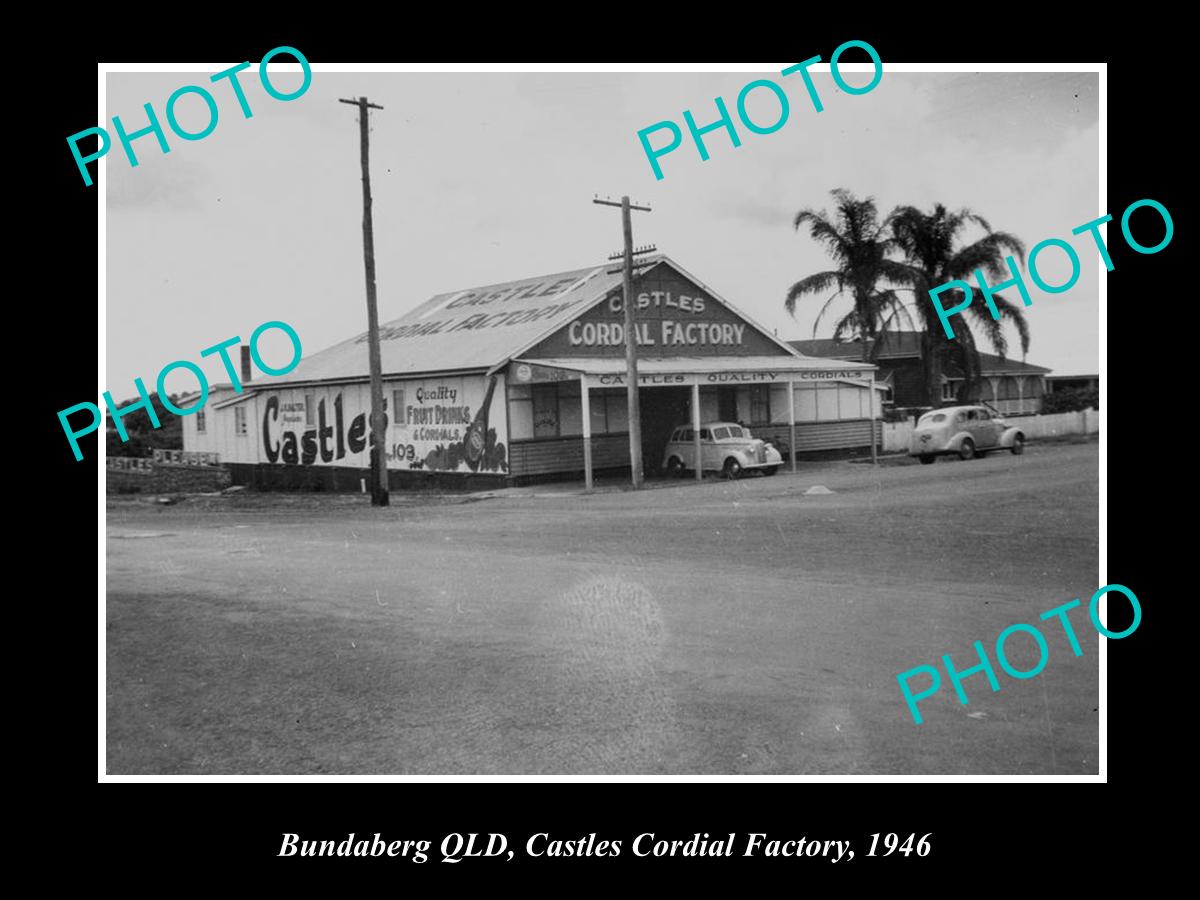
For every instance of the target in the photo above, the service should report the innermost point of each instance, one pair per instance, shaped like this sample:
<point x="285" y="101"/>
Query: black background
<point x="229" y="835"/>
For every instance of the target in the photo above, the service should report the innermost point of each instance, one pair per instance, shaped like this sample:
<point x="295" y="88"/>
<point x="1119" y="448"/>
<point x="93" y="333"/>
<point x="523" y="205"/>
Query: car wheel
<point x="675" y="466"/>
<point x="770" y="470"/>
<point x="733" y="468"/>
<point x="928" y="459"/>
<point x="1018" y="446"/>
<point x="967" y="450"/>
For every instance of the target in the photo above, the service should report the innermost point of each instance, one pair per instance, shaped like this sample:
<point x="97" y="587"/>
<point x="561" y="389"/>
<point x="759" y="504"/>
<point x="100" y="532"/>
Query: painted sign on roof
<point x="576" y="313"/>
<point x="471" y="329"/>
<point x="675" y="317"/>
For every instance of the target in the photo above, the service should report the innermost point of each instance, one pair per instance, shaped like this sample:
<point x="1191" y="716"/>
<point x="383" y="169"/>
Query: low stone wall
<point x="145" y="476"/>
<point x="348" y="480"/>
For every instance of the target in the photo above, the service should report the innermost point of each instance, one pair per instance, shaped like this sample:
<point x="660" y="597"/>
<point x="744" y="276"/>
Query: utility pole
<point x="379" y="476"/>
<point x="631" y="376"/>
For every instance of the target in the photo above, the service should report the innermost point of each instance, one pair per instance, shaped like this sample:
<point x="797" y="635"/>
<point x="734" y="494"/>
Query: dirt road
<point x="724" y="628"/>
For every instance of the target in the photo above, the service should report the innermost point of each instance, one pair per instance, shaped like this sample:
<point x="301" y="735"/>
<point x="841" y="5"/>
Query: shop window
<point x="827" y="403"/>
<point x="850" y="402"/>
<point x="806" y="403"/>
<point x="200" y="422"/>
<point x="760" y="404"/>
<point x="779" y="403"/>
<point x="520" y="412"/>
<point x="618" y="412"/>
<point x="545" y="410"/>
<point x="239" y="420"/>
<point x="599" y="407"/>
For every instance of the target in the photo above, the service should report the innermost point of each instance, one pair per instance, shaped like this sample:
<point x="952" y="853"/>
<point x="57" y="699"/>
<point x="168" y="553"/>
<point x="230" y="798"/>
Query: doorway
<point x="663" y="410"/>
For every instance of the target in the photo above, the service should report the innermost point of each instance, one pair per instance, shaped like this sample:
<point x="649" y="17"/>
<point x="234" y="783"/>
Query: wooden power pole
<point x="379" y="476"/>
<point x="631" y="375"/>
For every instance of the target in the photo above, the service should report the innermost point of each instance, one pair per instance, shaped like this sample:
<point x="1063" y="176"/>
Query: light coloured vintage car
<point x="968" y="431"/>
<point x="725" y="447"/>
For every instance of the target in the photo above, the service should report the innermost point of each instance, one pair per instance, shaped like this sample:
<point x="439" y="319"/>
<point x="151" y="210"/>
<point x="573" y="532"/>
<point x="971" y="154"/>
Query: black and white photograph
<point x="627" y="421"/>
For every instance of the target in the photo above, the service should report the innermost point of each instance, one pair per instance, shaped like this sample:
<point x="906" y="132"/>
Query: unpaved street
<point x="724" y="628"/>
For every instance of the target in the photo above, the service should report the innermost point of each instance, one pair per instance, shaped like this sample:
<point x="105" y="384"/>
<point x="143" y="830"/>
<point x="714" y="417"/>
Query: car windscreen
<point x="735" y="431"/>
<point x="719" y="434"/>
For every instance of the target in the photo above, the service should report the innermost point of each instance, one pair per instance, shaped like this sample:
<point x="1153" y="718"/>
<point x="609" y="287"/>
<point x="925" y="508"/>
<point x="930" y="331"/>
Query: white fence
<point x="896" y="434"/>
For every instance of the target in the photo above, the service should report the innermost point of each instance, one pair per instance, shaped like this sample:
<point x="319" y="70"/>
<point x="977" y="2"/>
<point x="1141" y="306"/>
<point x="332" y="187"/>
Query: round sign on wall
<point x="524" y="373"/>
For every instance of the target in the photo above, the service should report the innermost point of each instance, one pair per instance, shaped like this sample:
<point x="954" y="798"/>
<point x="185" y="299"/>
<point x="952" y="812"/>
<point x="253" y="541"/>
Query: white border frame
<point x="102" y="116"/>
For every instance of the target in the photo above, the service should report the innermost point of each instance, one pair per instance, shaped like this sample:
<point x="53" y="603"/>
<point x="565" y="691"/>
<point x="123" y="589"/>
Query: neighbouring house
<point x="1057" y="383"/>
<point x="1010" y="386"/>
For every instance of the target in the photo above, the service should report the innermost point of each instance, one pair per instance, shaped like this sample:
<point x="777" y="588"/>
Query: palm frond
<point x="987" y="253"/>
<point x="813" y="284"/>
<point x="1009" y="312"/>
<point x="820" y="315"/>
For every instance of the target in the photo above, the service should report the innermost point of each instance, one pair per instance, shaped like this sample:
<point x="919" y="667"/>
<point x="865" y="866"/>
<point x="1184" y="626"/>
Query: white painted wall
<point x="298" y="413"/>
<point x="896" y="435"/>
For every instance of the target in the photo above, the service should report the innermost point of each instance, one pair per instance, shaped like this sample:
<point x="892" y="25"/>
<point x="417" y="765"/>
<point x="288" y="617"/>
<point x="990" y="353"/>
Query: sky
<point x="488" y="177"/>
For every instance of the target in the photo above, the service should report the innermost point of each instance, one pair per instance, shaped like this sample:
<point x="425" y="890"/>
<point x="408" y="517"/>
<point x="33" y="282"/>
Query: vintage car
<point x="725" y="447"/>
<point x="968" y="431"/>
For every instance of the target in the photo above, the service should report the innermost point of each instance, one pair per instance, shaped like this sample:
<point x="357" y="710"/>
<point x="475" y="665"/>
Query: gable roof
<point x="896" y="345"/>
<point x="468" y="329"/>
<point x="480" y="328"/>
<point x="991" y="364"/>
<point x="907" y="345"/>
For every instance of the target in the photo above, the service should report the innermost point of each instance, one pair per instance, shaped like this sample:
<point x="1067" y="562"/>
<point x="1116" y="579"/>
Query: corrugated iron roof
<point x="482" y="328"/>
<point x="468" y="329"/>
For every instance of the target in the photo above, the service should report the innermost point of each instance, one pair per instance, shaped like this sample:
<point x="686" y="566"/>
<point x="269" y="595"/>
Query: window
<point x="520" y="412"/>
<point x="949" y="390"/>
<point x="972" y="415"/>
<point x="200" y="422"/>
<point x="720" y="433"/>
<point x="827" y="403"/>
<point x="617" y="404"/>
<point x="545" y="410"/>
<point x="398" y="406"/>
<point x="735" y="431"/>
<point x="308" y="409"/>
<point x="760" y="404"/>
<point x="688" y="435"/>
<point x="239" y="420"/>
<point x="556" y="410"/>
<point x="704" y="435"/>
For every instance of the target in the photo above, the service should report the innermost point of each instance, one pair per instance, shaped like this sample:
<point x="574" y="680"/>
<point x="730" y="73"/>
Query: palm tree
<point x="859" y="245"/>
<point x="929" y="244"/>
